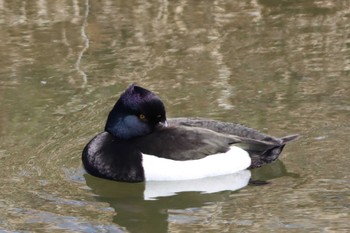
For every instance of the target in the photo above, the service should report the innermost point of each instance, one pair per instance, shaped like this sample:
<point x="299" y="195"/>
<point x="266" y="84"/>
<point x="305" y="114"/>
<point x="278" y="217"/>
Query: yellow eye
<point x="142" y="117"/>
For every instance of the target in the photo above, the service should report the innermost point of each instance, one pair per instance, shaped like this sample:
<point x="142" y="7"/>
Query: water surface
<point x="278" y="66"/>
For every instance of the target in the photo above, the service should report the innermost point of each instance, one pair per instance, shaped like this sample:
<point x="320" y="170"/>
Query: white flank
<point x="235" y="181"/>
<point x="234" y="160"/>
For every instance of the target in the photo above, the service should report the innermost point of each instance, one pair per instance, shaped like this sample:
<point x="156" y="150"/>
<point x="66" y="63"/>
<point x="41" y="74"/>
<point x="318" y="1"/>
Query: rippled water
<point x="279" y="66"/>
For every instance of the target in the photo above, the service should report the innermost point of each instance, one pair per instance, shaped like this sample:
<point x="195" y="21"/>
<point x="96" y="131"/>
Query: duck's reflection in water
<point x="144" y="207"/>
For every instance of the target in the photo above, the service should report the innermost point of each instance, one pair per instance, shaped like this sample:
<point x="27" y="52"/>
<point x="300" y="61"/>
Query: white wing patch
<point x="234" y="160"/>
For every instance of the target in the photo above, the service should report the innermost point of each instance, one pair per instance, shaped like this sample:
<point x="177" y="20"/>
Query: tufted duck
<point x="139" y="144"/>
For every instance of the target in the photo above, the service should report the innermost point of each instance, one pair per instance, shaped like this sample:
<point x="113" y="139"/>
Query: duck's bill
<point x="163" y="123"/>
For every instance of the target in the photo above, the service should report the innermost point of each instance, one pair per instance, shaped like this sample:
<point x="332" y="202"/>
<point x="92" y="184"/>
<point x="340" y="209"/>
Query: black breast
<point x="110" y="158"/>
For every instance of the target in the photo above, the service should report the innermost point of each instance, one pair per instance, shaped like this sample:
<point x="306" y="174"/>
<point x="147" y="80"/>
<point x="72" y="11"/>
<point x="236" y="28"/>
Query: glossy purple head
<point x="137" y="112"/>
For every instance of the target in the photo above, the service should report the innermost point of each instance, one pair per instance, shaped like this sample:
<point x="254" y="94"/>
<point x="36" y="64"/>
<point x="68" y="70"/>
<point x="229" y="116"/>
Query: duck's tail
<point x="272" y="152"/>
<point x="289" y="138"/>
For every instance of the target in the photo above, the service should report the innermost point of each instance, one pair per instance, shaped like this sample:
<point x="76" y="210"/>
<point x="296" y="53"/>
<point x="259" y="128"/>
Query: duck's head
<point x="137" y="112"/>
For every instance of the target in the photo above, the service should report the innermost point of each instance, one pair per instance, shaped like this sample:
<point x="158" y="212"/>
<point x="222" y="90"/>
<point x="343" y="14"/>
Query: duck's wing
<point x="189" y="143"/>
<point x="225" y="128"/>
<point x="259" y="156"/>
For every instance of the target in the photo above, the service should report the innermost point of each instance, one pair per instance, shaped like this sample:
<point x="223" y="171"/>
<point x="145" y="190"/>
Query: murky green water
<point x="278" y="66"/>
